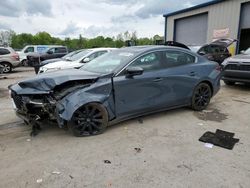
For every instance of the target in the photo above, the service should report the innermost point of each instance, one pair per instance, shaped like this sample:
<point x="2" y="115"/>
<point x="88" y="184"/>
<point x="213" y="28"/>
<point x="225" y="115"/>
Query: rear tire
<point x="229" y="83"/>
<point x="7" y="68"/>
<point x="201" y="97"/>
<point x="89" y="120"/>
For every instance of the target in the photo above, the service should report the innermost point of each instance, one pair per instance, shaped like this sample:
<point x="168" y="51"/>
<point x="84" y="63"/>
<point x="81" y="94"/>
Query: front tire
<point x="201" y="97"/>
<point x="7" y="68"/>
<point x="89" y="120"/>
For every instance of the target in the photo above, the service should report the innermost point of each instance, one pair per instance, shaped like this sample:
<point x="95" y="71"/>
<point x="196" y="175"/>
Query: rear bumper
<point x="15" y="63"/>
<point x="236" y="79"/>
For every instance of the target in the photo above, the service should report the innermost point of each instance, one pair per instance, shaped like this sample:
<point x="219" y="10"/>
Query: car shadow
<point x="239" y="86"/>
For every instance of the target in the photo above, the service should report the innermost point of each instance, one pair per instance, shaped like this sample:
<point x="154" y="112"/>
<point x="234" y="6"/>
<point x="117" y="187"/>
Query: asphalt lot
<point x="169" y="153"/>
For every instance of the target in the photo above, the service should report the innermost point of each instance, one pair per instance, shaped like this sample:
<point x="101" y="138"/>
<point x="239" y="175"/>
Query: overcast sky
<point x="65" y="18"/>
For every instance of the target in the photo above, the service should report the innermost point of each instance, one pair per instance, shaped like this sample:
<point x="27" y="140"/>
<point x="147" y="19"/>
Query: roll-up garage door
<point x="192" y="30"/>
<point x="245" y="17"/>
<point x="244" y="27"/>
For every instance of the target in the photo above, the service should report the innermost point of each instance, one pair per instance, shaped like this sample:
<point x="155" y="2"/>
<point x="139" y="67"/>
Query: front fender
<point x="69" y="104"/>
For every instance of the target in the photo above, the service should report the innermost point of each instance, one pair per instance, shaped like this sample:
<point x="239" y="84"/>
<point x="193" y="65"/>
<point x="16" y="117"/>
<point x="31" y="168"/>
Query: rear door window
<point x="4" y="51"/>
<point x="29" y="49"/>
<point x="174" y="58"/>
<point x="60" y="50"/>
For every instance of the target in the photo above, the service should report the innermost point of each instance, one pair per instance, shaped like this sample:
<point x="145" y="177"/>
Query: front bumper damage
<point x="36" y="108"/>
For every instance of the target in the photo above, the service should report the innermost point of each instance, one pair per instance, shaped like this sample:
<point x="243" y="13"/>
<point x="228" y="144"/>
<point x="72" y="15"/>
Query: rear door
<point x="59" y="52"/>
<point x="181" y="75"/>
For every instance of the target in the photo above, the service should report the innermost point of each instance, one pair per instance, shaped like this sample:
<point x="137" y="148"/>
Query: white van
<point x="30" y="49"/>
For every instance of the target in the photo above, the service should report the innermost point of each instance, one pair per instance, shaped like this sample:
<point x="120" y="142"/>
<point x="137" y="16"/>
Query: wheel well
<point x="210" y="85"/>
<point x="6" y="62"/>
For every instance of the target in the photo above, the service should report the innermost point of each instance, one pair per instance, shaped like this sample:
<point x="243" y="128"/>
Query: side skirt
<point x="118" y="120"/>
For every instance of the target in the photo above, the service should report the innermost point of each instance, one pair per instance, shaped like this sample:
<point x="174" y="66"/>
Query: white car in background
<point x="32" y="49"/>
<point x="76" y="61"/>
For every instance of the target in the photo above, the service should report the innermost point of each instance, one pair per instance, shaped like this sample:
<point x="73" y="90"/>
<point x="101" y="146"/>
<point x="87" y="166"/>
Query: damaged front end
<point x="36" y="107"/>
<point x="44" y="99"/>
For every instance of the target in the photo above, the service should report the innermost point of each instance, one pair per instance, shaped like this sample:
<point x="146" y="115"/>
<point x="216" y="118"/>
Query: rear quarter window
<point x="177" y="58"/>
<point x="4" y="51"/>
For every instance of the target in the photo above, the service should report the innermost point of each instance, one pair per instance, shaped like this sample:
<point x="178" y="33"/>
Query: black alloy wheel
<point x="201" y="96"/>
<point x="88" y="120"/>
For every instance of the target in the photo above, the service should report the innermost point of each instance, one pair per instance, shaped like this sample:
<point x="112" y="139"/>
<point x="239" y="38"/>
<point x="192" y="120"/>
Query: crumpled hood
<point x="47" y="81"/>
<point x="240" y="58"/>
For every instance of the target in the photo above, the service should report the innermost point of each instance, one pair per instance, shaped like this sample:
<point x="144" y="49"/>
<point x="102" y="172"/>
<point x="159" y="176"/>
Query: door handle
<point x="192" y="73"/>
<point x="158" y="79"/>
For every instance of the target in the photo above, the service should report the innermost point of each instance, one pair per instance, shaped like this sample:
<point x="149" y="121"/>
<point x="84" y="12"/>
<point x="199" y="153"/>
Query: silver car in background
<point x="9" y="59"/>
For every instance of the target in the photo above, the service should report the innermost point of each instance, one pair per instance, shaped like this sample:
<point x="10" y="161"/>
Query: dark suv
<point x="51" y="53"/>
<point x="217" y="50"/>
<point x="237" y="68"/>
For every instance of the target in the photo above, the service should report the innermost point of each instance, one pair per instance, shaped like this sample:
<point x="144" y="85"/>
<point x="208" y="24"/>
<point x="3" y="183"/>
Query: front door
<point x="142" y="93"/>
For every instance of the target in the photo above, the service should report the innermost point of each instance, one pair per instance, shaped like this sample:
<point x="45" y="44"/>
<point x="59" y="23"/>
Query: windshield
<point x="247" y="51"/>
<point x="69" y="55"/>
<point x="107" y="63"/>
<point x="79" y="56"/>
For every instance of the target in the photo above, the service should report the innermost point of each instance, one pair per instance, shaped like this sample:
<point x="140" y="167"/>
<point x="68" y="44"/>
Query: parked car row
<point x="76" y="60"/>
<point x="237" y="68"/>
<point x="35" y="49"/>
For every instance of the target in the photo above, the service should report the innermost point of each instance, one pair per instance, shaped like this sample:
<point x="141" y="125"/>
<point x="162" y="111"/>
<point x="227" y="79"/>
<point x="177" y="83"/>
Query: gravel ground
<point x="160" y="150"/>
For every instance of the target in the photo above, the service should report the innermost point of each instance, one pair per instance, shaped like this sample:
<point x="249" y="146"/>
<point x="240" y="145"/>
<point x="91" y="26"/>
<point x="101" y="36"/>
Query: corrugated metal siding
<point x="221" y="15"/>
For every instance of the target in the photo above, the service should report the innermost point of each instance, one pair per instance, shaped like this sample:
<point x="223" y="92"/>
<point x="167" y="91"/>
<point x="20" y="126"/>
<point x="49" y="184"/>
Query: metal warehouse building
<point x="209" y="21"/>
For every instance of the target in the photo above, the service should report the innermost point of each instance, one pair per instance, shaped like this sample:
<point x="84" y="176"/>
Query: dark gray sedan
<point x="119" y="85"/>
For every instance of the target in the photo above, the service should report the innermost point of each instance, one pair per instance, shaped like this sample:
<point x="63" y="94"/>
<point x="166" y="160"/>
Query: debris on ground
<point x="28" y="140"/>
<point x="71" y="177"/>
<point x="39" y="180"/>
<point x="208" y="145"/>
<point x="220" y="138"/>
<point x="200" y="124"/>
<point x="138" y="150"/>
<point x="56" y="172"/>
<point x="107" y="162"/>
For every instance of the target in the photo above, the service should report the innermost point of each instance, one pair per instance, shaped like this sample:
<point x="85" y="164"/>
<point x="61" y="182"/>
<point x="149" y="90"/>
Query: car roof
<point x="8" y="48"/>
<point x="142" y="49"/>
<point x="100" y="49"/>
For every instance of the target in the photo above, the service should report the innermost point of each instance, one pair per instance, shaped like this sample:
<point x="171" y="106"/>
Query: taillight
<point x="16" y="56"/>
<point x="218" y="68"/>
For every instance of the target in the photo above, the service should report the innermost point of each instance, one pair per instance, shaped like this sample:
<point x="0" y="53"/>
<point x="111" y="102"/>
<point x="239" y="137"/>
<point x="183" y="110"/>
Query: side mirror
<point x="86" y="60"/>
<point x="242" y="51"/>
<point x="49" y="52"/>
<point x="133" y="71"/>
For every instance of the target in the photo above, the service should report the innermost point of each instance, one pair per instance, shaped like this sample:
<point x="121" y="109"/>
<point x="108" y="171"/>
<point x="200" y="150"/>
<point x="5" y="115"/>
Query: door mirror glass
<point x="133" y="71"/>
<point x="86" y="60"/>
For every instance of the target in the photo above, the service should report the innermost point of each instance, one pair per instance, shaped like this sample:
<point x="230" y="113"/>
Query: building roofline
<point x="194" y="7"/>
